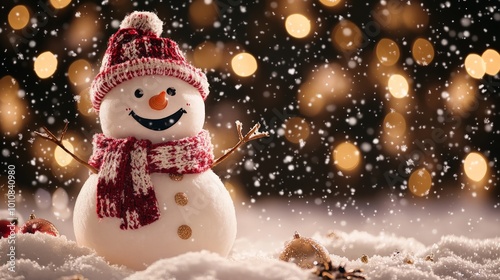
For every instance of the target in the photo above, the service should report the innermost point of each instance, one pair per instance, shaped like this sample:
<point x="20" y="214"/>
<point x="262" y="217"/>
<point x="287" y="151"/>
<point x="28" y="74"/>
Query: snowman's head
<point x="157" y="108"/>
<point x="145" y="87"/>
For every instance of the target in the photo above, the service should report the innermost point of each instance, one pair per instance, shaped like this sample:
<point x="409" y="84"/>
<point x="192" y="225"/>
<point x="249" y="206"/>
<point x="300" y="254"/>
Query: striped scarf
<point x="124" y="188"/>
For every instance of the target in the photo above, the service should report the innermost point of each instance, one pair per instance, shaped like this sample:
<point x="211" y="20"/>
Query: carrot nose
<point x="158" y="102"/>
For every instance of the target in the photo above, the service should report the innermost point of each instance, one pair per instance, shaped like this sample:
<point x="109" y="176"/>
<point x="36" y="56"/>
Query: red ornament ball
<point x="8" y="227"/>
<point x="39" y="225"/>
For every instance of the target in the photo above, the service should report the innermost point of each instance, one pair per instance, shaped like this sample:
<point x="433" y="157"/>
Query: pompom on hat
<point x="137" y="49"/>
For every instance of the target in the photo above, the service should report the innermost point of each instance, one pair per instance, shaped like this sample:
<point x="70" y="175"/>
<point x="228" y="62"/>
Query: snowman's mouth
<point x="159" y="124"/>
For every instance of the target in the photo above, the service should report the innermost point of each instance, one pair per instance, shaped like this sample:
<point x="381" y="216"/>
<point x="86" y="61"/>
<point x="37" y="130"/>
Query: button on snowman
<point x="155" y="195"/>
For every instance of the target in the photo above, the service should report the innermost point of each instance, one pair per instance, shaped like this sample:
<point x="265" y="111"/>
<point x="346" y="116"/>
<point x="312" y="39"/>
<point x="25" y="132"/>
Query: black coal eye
<point x="138" y="93"/>
<point x="171" y="91"/>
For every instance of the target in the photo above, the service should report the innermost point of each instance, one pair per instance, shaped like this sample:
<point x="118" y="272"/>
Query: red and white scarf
<point x="124" y="188"/>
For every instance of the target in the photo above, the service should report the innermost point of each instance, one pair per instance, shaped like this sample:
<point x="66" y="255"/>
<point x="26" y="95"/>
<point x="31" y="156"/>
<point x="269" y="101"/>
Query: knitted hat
<point x="137" y="49"/>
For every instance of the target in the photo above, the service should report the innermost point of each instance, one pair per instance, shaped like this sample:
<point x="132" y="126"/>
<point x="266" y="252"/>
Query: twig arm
<point x="58" y="141"/>
<point x="253" y="134"/>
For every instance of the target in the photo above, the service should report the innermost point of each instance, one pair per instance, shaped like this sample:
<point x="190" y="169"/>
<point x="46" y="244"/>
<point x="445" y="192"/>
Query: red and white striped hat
<point x="137" y="49"/>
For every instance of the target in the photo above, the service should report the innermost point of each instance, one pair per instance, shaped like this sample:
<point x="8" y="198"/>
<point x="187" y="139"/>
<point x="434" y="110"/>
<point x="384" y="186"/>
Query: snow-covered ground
<point x="459" y="240"/>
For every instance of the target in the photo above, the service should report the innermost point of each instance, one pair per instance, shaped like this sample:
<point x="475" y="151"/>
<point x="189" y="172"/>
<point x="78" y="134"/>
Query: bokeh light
<point x="82" y="29"/>
<point x="389" y="16"/>
<point x="346" y="36"/>
<point x="394" y="125"/>
<point x="60" y="199"/>
<point x="244" y="64"/>
<point x="62" y="158"/>
<point x="59" y="4"/>
<point x="45" y="65"/>
<point x="422" y="51"/>
<point x="203" y="13"/>
<point x="12" y="107"/>
<point x="298" y="25"/>
<point x="475" y="66"/>
<point x="346" y="156"/>
<point x="296" y="130"/>
<point x="387" y="52"/>
<point x="475" y="166"/>
<point x="327" y="84"/>
<point x="43" y="199"/>
<point x="414" y="17"/>
<point x="492" y="60"/>
<point x="461" y="95"/>
<point x="398" y="86"/>
<point x="330" y="3"/>
<point x="420" y="182"/>
<point x="84" y="104"/>
<point x="207" y="55"/>
<point x="18" y="17"/>
<point x="310" y="98"/>
<point x="80" y="72"/>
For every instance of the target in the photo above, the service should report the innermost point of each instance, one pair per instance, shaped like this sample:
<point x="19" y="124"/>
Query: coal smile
<point x="158" y="124"/>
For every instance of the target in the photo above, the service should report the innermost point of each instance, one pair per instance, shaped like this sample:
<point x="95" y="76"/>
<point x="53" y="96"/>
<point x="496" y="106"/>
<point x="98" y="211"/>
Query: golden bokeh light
<point x="475" y="66"/>
<point x="422" y="51"/>
<point x="203" y="13"/>
<point x="207" y="55"/>
<point x="82" y="29"/>
<point x="13" y="109"/>
<point x="244" y="64"/>
<point x="62" y="158"/>
<point x="298" y="25"/>
<point x="330" y="3"/>
<point x="45" y="65"/>
<point x="414" y="17"/>
<point x="9" y="87"/>
<point x="475" y="166"/>
<point x="80" y="72"/>
<point x="18" y="17"/>
<point x="398" y="86"/>
<point x="346" y="156"/>
<point x="389" y="17"/>
<point x="394" y="125"/>
<point x="346" y="36"/>
<point x="84" y="104"/>
<point x="310" y="99"/>
<point x="387" y="52"/>
<point x="327" y="84"/>
<point x="420" y="182"/>
<point x="296" y="130"/>
<point x="492" y="60"/>
<point x="59" y="4"/>
<point x="461" y="95"/>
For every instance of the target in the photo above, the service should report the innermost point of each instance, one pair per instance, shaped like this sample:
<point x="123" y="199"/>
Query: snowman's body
<point x="209" y="213"/>
<point x="196" y="211"/>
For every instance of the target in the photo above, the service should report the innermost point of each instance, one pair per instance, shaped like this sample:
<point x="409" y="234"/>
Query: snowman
<point x="153" y="194"/>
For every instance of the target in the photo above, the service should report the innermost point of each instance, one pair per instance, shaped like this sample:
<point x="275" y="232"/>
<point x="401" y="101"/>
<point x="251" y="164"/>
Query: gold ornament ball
<point x="304" y="252"/>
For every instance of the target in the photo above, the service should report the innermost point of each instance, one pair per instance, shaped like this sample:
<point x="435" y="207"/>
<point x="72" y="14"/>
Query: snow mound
<point x="392" y="257"/>
<point x="210" y="266"/>
<point x="353" y="245"/>
<point x="41" y="256"/>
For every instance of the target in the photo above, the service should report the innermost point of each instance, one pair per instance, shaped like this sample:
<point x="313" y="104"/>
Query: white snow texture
<point x="41" y="256"/>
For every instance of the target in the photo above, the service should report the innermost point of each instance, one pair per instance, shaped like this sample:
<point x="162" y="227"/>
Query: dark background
<point x="280" y="168"/>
